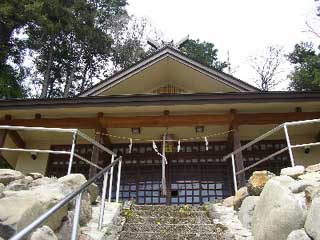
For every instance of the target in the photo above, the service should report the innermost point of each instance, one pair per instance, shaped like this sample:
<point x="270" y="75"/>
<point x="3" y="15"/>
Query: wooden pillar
<point x="95" y="150"/>
<point x="100" y="137"/>
<point x="236" y="143"/>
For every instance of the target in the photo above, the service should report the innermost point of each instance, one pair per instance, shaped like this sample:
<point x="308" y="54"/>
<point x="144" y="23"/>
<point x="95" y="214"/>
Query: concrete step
<point x="201" y="219"/>
<point x="168" y="213"/>
<point x="174" y="228"/>
<point x="126" y="235"/>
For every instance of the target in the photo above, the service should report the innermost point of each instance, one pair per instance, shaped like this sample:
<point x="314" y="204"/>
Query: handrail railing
<point x="24" y="232"/>
<point x="75" y="134"/>
<point x="289" y="147"/>
<point x="104" y="171"/>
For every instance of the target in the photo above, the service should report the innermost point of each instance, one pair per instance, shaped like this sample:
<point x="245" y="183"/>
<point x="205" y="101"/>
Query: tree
<point x="71" y="42"/>
<point x="204" y="52"/>
<point x="14" y="15"/>
<point x="306" y="73"/>
<point x="10" y="83"/>
<point x="267" y="67"/>
<point x="130" y="42"/>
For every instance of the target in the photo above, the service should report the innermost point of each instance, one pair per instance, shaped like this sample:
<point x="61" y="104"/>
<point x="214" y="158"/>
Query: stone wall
<point x="285" y="207"/>
<point x="23" y="198"/>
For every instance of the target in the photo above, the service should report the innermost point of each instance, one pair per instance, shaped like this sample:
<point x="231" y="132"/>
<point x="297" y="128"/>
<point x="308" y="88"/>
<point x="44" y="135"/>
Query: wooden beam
<point x="3" y="135"/>
<point x="274" y="118"/>
<point x="17" y="139"/>
<point x="83" y="123"/>
<point x="14" y="135"/>
<point x="163" y="121"/>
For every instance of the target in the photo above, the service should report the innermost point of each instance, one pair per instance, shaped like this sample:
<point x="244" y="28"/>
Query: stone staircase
<point x="169" y="223"/>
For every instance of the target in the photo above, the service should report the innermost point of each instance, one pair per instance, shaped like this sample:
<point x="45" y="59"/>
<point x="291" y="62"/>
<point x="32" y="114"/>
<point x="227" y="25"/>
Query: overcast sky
<point x="244" y="28"/>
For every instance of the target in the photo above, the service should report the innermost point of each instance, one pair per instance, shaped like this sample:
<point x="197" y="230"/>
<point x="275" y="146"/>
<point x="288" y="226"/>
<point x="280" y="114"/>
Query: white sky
<point x="244" y="28"/>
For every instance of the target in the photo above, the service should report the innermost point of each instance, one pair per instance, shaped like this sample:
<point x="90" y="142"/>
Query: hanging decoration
<point x="207" y="143"/>
<point x="155" y="148"/>
<point x="173" y="140"/>
<point x="130" y="146"/>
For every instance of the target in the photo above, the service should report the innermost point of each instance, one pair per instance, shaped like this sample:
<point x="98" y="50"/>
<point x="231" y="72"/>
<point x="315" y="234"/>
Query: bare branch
<point x="267" y="67"/>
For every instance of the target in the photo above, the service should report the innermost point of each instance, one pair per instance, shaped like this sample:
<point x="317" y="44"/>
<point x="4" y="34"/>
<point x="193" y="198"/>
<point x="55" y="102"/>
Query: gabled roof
<point x="165" y="52"/>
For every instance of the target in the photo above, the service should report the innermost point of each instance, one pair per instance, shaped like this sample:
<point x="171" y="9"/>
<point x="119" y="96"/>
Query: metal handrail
<point x="78" y="192"/>
<point x="75" y="133"/>
<point x="263" y="136"/>
<point x="24" y="232"/>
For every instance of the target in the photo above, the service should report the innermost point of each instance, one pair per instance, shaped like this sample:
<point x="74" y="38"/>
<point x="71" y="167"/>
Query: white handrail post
<point x="118" y="180"/>
<point x="111" y="179"/>
<point x="103" y="200"/>
<point x="76" y="216"/>
<point x="74" y="138"/>
<point x="235" y="184"/>
<point x="288" y="144"/>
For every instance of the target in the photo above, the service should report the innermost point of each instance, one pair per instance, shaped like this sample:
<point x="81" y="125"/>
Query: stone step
<point x="125" y="235"/>
<point x="174" y="228"/>
<point x="166" y="207"/>
<point x="168" y="213"/>
<point x="201" y="219"/>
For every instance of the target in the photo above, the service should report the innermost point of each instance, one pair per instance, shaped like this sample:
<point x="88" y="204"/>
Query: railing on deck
<point x="288" y="148"/>
<point x="78" y="193"/>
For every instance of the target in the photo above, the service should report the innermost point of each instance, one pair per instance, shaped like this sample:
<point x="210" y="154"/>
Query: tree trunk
<point x="45" y="83"/>
<point x="70" y="79"/>
<point x="84" y="78"/>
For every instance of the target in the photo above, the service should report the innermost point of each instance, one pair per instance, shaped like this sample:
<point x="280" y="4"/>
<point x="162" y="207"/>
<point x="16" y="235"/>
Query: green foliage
<point x="306" y="73"/>
<point x="10" y="86"/>
<point x="204" y="52"/>
<point x="127" y="213"/>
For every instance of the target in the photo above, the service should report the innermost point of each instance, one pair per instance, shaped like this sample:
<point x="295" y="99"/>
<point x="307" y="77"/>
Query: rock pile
<point x="23" y="198"/>
<point x="284" y="207"/>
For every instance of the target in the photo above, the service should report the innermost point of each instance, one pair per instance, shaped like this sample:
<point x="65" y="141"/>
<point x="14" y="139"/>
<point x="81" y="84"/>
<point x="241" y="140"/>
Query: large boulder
<point x="73" y="181"/>
<point x="228" y="202"/>
<point x="311" y="193"/>
<point x="93" y="191"/>
<point x="257" y="181"/>
<point x="1" y="190"/>
<point x="313" y="168"/>
<point x="9" y="175"/>
<point x="20" y="208"/>
<point x="302" y="185"/>
<point x="29" y="208"/>
<point x="64" y="232"/>
<point x="314" y="176"/>
<point x="241" y="194"/>
<point x="246" y="210"/>
<point x="43" y="233"/>
<point x="278" y="211"/>
<point x="85" y="210"/>
<point x="312" y="225"/>
<point x="20" y="184"/>
<point x="293" y="172"/>
<point x="35" y="175"/>
<point x="299" y="234"/>
<point x="284" y="180"/>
